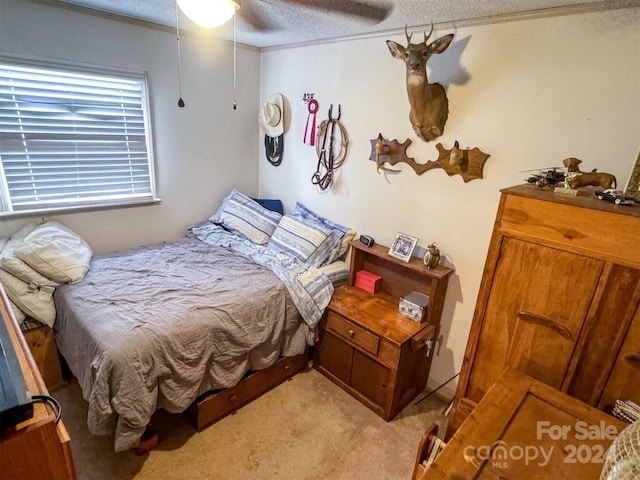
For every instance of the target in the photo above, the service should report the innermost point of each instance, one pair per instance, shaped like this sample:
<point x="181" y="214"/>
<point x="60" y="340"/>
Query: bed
<point x="171" y="325"/>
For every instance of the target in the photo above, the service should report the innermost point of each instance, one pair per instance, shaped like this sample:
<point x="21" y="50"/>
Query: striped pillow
<point x="338" y="272"/>
<point x="309" y="242"/>
<point x="344" y="233"/>
<point x="240" y="214"/>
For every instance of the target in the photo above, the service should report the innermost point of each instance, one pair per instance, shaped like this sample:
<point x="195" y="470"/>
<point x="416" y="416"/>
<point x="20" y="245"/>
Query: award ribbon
<point x="310" y="133"/>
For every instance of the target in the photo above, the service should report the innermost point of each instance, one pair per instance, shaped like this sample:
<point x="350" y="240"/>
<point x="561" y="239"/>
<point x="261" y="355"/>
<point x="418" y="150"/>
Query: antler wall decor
<point x="455" y="161"/>
<point x="468" y="163"/>
<point x="389" y="151"/>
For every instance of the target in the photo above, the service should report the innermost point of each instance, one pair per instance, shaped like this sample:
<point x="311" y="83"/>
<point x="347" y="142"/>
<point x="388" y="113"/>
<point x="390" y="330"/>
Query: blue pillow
<point x="271" y="204"/>
<point x="240" y="214"/>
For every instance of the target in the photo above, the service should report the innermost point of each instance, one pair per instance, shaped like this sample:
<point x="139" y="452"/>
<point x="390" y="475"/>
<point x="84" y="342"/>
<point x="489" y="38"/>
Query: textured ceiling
<point x="290" y="23"/>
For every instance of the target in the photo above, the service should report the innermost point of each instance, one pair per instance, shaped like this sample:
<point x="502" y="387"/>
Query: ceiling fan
<point x="212" y="13"/>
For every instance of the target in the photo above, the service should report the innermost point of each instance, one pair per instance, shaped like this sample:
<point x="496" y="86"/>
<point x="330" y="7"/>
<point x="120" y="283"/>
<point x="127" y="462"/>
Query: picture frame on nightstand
<point x="403" y="246"/>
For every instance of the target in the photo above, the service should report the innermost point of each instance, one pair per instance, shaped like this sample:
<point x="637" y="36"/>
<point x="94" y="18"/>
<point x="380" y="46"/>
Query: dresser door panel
<point x="533" y="315"/>
<point x="370" y="378"/>
<point x="336" y="357"/>
<point x="536" y="341"/>
<point x="615" y="304"/>
<point x="624" y="382"/>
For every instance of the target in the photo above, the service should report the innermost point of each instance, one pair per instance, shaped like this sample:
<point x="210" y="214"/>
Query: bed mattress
<point x="156" y="326"/>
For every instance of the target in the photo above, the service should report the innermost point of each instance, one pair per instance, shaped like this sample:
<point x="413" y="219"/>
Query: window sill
<point x="77" y="209"/>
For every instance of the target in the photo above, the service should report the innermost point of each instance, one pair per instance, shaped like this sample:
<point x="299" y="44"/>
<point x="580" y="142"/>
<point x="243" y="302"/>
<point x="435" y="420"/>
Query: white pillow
<point x="17" y="267"/>
<point x="33" y="301"/>
<point x="23" y="231"/>
<point x="56" y="252"/>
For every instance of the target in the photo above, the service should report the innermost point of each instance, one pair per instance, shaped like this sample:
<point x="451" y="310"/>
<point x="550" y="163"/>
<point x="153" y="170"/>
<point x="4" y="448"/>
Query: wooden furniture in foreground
<point x="430" y="447"/>
<point x="524" y="429"/>
<point x="38" y="447"/>
<point x="559" y="300"/>
<point x="42" y="344"/>
<point x="366" y="346"/>
<point x="215" y="405"/>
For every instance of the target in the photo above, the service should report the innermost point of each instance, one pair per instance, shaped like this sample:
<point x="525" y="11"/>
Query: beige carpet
<point x="306" y="428"/>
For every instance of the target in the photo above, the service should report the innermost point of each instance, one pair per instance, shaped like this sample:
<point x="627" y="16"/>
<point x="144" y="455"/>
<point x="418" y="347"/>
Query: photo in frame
<point x="403" y="246"/>
<point x="632" y="188"/>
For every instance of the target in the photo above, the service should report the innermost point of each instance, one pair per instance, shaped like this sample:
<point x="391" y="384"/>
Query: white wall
<point x="529" y="93"/>
<point x="202" y="151"/>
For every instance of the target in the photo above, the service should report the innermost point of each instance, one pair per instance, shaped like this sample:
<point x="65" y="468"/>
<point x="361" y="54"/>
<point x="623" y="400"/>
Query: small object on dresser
<point x="367" y="240"/>
<point x="626" y="410"/>
<point x="368" y="281"/>
<point x="431" y="256"/>
<point x="414" y="306"/>
<point x="403" y="247"/>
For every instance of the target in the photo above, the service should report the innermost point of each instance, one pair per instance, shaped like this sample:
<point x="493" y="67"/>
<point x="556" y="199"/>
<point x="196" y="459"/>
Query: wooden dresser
<point x="559" y="300"/>
<point x="366" y="346"/>
<point x="38" y="448"/>
<point x="524" y="429"/>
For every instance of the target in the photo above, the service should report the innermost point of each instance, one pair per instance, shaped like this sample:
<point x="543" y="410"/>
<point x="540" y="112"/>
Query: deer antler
<point x="407" y="35"/>
<point x="426" y="37"/>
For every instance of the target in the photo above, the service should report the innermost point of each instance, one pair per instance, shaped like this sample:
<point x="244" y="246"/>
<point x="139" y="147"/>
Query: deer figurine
<point x="428" y="101"/>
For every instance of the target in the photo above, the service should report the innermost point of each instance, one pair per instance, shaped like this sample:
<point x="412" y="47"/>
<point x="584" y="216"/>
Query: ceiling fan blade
<point x="355" y="8"/>
<point x="251" y="15"/>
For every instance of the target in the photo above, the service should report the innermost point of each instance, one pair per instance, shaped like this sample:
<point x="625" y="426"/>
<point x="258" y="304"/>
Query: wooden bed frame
<point x="217" y="404"/>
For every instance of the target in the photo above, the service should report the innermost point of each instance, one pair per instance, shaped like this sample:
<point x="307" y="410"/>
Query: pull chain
<point x="235" y="63"/>
<point x="180" y="101"/>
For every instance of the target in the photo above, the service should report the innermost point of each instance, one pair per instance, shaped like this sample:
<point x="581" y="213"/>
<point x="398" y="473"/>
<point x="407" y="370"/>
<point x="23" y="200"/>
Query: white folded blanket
<point x="35" y="261"/>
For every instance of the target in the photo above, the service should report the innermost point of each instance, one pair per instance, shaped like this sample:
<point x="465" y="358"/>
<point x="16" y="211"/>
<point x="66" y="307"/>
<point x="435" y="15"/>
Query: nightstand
<point x="366" y="346"/>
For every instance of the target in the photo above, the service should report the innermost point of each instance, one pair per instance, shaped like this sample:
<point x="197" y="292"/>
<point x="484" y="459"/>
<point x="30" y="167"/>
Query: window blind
<point x="71" y="138"/>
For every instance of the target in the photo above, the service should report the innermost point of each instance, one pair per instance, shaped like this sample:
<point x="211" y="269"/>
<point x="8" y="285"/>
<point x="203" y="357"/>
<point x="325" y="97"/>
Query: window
<point x="72" y="139"/>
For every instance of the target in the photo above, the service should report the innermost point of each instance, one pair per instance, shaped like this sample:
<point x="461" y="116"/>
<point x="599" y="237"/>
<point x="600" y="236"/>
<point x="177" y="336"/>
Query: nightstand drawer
<point x="353" y="333"/>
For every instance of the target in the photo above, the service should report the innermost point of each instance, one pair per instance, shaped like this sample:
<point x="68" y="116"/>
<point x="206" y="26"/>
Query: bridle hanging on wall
<point x="328" y="159"/>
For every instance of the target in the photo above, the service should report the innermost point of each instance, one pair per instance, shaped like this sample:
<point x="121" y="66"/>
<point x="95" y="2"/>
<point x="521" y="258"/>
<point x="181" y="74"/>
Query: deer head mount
<point x="428" y="101"/>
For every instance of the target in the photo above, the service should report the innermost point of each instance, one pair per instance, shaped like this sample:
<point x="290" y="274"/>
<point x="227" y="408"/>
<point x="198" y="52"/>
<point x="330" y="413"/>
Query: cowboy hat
<point x="271" y="116"/>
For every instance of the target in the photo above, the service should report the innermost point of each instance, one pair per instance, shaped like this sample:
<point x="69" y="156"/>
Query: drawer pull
<point x="352" y="333"/>
<point x="546" y="322"/>
<point x="632" y="359"/>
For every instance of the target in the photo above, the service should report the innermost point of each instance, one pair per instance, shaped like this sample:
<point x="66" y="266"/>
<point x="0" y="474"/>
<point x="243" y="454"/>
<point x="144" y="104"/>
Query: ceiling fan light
<point x="208" y="13"/>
